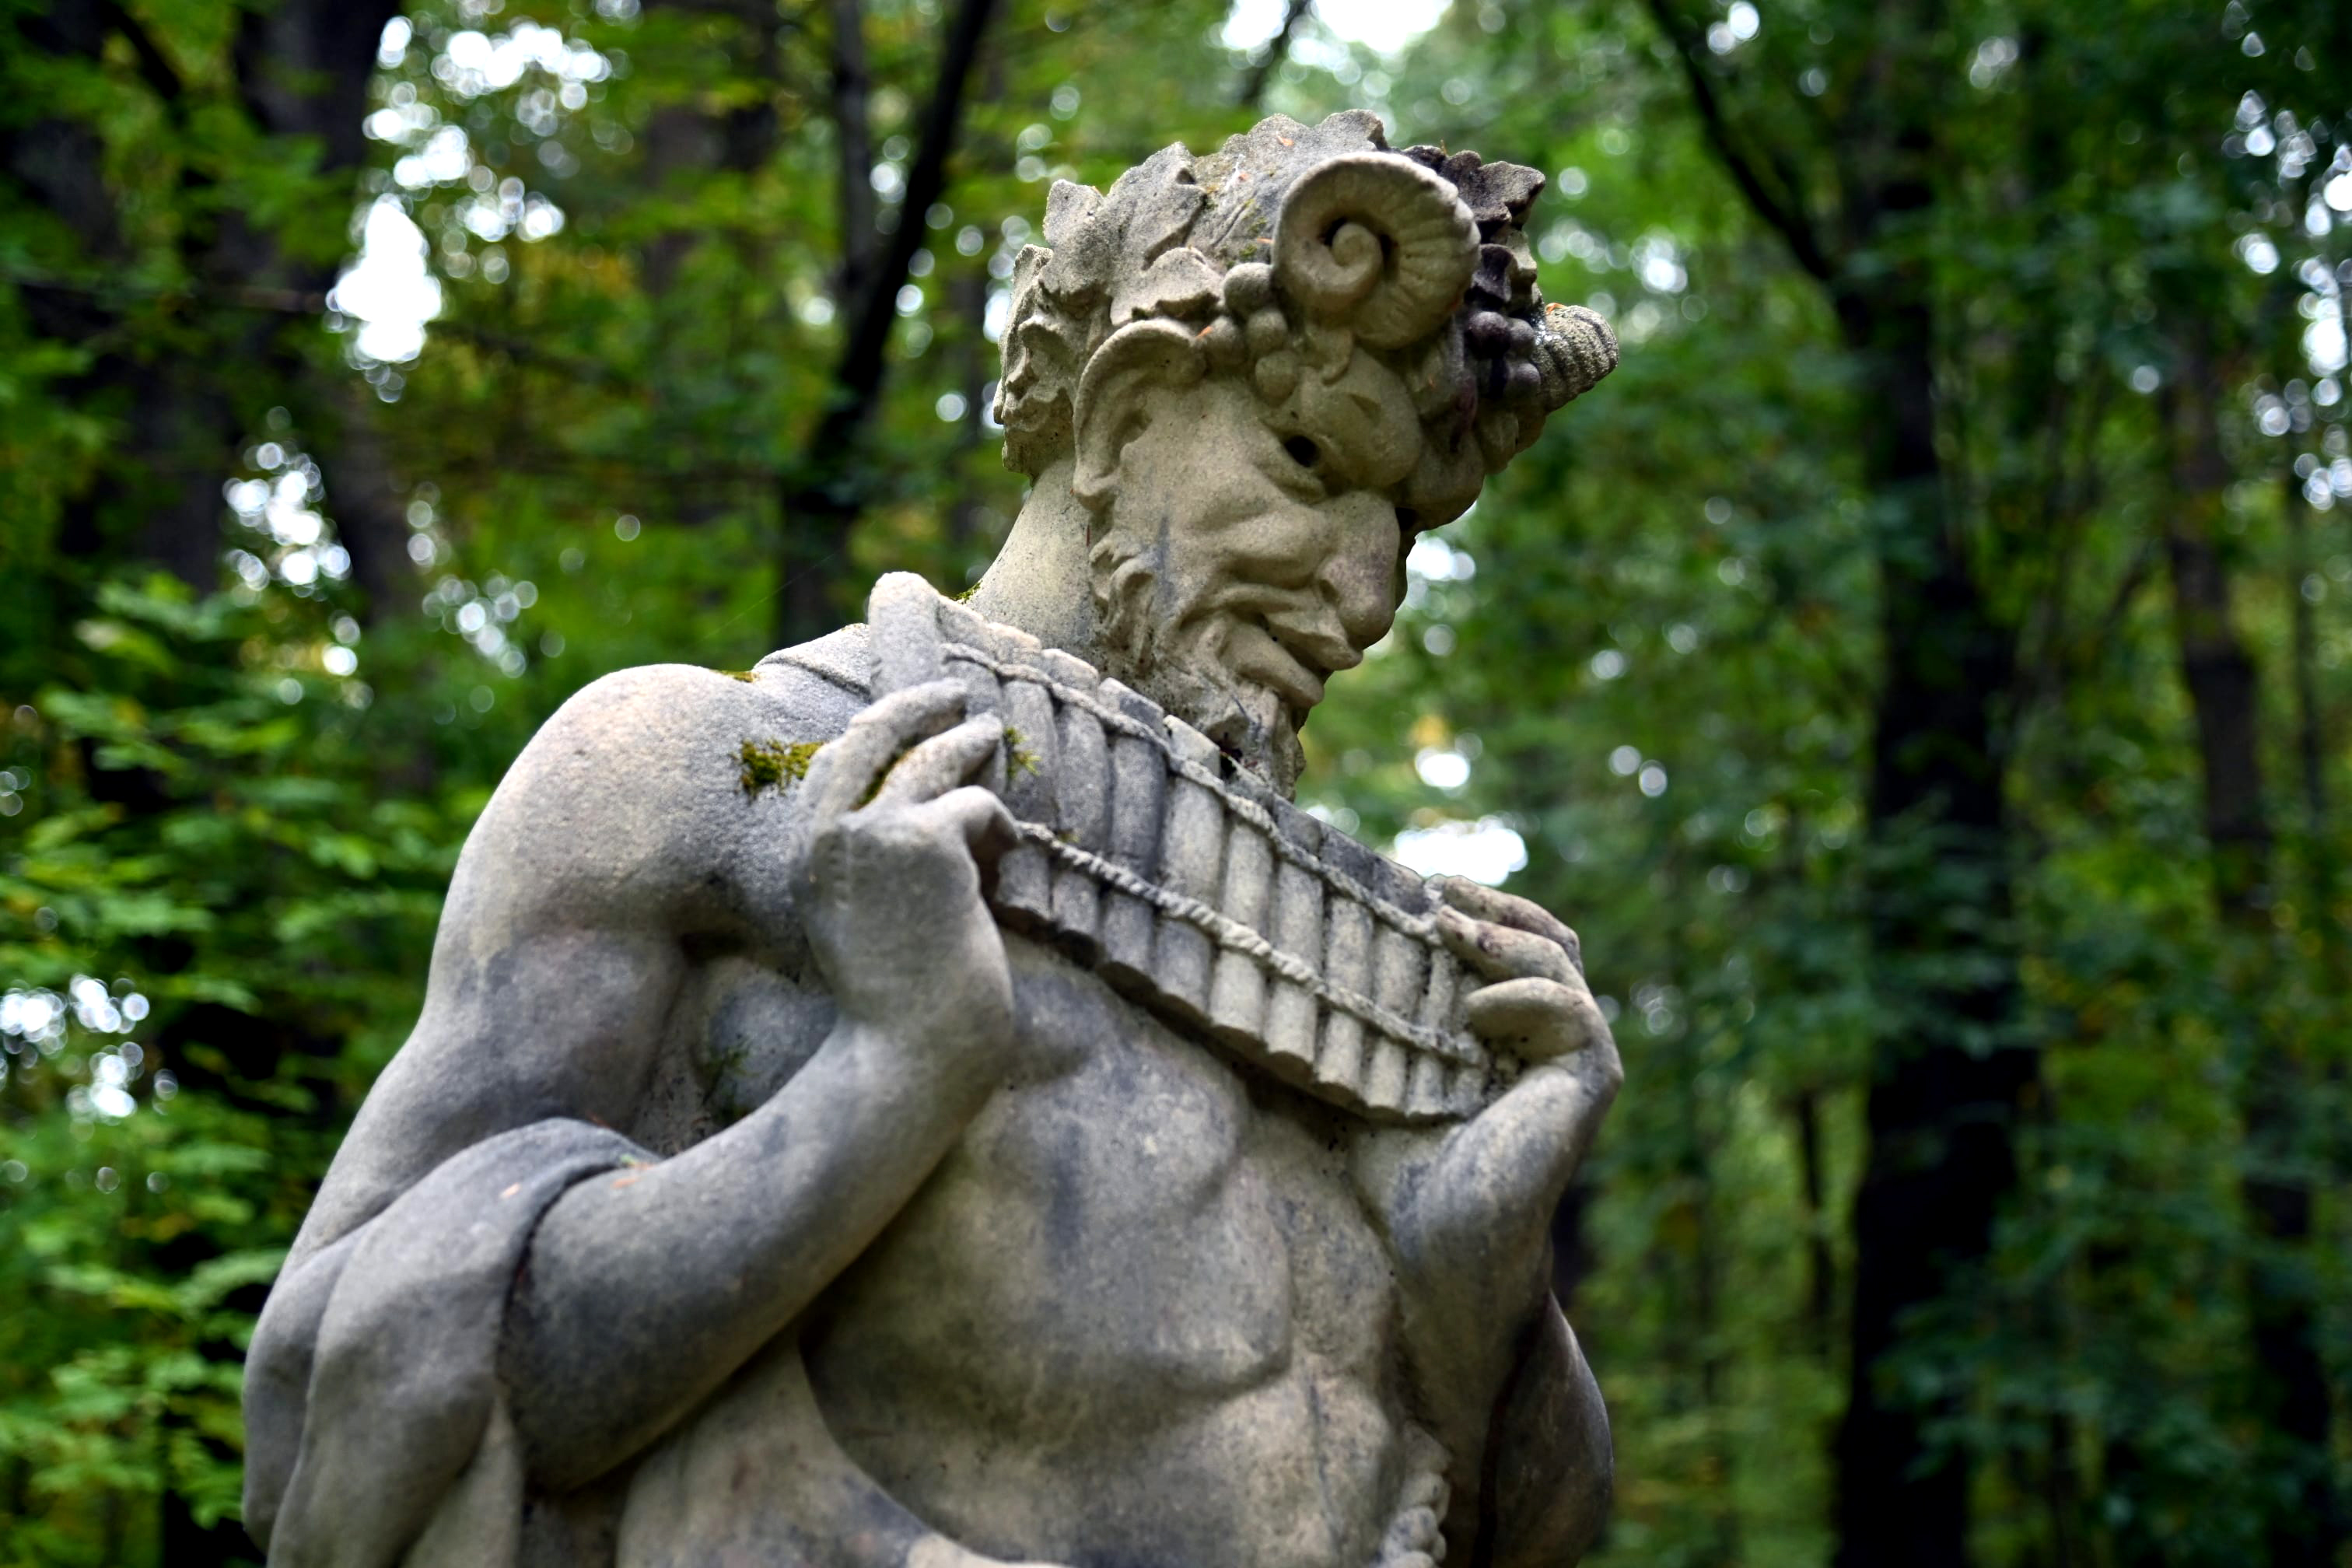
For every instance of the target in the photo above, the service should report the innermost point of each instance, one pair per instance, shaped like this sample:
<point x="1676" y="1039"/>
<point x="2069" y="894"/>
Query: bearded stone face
<point x="1241" y="558"/>
<point x="1257" y="374"/>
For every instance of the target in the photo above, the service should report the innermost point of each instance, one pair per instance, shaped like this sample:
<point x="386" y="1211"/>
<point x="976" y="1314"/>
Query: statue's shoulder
<point x="657" y="767"/>
<point x="656" y="721"/>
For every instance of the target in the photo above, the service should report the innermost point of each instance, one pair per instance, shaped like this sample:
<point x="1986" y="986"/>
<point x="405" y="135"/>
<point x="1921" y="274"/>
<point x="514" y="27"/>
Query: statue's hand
<point x="897" y="840"/>
<point x="1471" y="1203"/>
<point x="1468" y="1209"/>
<point x="1535" y="1004"/>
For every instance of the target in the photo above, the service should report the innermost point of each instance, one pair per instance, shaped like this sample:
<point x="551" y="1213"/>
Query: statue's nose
<point x="1357" y="579"/>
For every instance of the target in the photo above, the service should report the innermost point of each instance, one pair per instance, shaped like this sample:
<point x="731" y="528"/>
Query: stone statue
<point x="931" y="1100"/>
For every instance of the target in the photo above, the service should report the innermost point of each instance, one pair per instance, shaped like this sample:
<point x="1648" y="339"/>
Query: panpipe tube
<point x="903" y="624"/>
<point x="1081" y="808"/>
<point x="1428" y="1087"/>
<point x="1237" y="985"/>
<point x="1347" y="965"/>
<point x="1024" y="876"/>
<point x="1400" y="970"/>
<point x="1295" y="928"/>
<point x="1139" y="771"/>
<point x="1191" y="865"/>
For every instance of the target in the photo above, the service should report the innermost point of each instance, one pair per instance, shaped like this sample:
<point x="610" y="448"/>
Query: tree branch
<point x="819" y="499"/>
<point x="1277" y="50"/>
<point x="858" y="372"/>
<point x="155" y="68"/>
<point x="1785" y="210"/>
<point x="114" y="296"/>
<point x="853" y="85"/>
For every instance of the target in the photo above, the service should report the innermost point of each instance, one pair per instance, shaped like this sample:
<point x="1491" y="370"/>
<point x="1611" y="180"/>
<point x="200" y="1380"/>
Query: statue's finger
<point x="845" y="769"/>
<point x="941" y="762"/>
<point x="1501" y="953"/>
<point x="1413" y="1530"/>
<point x="1485" y="903"/>
<point x="983" y="820"/>
<point x="1537" y="1019"/>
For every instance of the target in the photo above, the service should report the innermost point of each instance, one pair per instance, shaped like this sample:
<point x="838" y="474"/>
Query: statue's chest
<point x="1130" y="1213"/>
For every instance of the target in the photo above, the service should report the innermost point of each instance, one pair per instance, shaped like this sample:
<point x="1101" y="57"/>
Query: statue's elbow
<point x="1557" y="1473"/>
<point x="1591" y="1490"/>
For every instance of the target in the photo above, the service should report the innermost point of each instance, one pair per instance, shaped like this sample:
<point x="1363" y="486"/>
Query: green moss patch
<point x="772" y="764"/>
<point x="1018" y="760"/>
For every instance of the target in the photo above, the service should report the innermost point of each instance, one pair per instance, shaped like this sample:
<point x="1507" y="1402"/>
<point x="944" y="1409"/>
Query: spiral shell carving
<point x="1377" y="241"/>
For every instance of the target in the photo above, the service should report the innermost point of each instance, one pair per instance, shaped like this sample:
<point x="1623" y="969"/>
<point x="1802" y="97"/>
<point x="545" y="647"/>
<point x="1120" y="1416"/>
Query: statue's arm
<point x="1500" y="1375"/>
<point x="1549" y="1465"/>
<point x="644" y="1290"/>
<point x="623" y="838"/>
<point x="1468" y="1214"/>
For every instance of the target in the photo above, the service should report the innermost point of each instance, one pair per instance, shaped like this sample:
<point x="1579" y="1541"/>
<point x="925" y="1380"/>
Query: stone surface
<point x="938" y="1101"/>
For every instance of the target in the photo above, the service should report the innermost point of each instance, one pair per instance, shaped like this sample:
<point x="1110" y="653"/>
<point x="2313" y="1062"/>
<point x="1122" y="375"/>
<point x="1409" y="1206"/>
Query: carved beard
<point x="1170" y="648"/>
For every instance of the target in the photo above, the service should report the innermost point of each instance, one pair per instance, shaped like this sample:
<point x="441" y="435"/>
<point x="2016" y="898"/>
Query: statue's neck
<point x="1040" y="582"/>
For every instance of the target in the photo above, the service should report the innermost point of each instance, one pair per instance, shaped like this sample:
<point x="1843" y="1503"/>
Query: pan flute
<point x="1191" y="886"/>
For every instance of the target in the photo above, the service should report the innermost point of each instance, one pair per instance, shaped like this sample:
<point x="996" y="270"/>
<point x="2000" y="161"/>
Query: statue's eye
<point x="1302" y="452"/>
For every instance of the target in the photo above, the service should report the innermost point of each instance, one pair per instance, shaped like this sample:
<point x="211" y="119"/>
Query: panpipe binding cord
<point x="1188" y="883"/>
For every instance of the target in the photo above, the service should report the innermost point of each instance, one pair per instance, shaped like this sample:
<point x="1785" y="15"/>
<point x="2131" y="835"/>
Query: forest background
<point x="1923" y="671"/>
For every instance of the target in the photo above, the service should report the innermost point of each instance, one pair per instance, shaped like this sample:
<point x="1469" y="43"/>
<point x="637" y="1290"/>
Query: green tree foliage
<point x="1921" y="671"/>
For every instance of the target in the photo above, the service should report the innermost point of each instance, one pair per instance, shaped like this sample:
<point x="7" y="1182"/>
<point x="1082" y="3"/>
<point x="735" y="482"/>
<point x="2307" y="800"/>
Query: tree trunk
<point x="1948" y="1075"/>
<point x="177" y="378"/>
<point x="1949" y="1069"/>
<point x="853" y="89"/>
<point x="2290" y="1391"/>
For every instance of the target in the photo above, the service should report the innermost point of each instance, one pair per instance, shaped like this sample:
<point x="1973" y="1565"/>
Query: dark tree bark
<point x="822" y="494"/>
<point x="1950" y="1070"/>
<point x="2291" y="1392"/>
<point x="853" y="128"/>
<point x="1949" y="1076"/>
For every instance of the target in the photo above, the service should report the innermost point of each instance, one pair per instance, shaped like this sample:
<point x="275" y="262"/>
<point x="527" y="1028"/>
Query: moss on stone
<point x="772" y="764"/>
<point x="1018" y="762"/>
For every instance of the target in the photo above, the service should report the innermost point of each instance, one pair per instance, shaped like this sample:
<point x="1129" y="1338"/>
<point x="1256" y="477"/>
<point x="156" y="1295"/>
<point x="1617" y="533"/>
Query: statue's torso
<point x="1137" y="1314"/>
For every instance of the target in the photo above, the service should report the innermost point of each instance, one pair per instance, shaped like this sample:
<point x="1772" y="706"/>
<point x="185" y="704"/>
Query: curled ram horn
<point x="1377" y="242"/>
<point x="1573" y="351"/>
